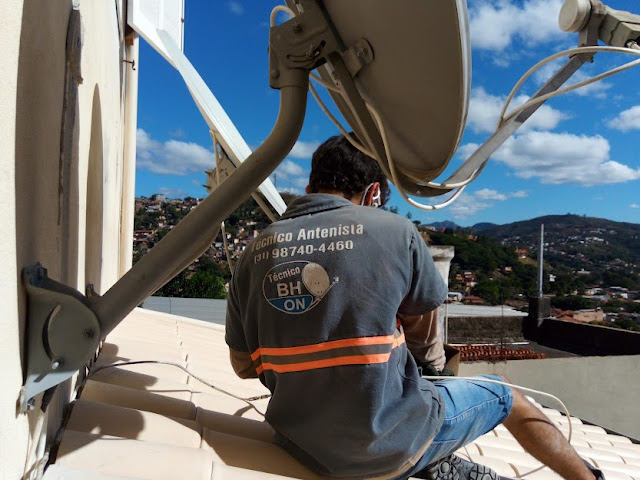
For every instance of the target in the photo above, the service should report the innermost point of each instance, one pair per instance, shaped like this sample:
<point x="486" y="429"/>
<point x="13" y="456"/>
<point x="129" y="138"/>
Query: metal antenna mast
<point x="540" y="260"/>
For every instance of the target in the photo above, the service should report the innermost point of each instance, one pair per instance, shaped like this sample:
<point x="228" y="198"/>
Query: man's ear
<point x="372" y="195"/>
<point x="307" y="189"/>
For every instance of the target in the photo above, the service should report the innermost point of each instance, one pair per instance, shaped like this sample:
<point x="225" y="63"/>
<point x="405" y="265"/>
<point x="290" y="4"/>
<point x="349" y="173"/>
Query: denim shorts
<point x="472" y="408"/>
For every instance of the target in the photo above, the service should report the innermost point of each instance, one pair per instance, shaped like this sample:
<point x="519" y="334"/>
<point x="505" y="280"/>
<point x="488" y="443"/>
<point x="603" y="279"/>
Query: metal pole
<point x="129" y="168"/>
<point x="478" y="159"/>
<point x="195" y="233"/>
<point x="541" y="260"/>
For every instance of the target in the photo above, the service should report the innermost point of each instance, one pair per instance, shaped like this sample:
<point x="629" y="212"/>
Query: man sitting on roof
<point x="331" y="308"/>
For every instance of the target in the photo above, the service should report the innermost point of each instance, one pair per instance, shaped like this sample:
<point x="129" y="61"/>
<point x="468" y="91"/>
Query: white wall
<point x="442" y="256"/>
<point x="43" y="197"/>
<point x="101" y="73"/>
<point x="600" y="390"/>
<point x="13" y="429"/>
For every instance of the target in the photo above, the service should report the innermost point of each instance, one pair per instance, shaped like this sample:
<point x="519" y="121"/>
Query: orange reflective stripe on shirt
<point x="350" y="351"/>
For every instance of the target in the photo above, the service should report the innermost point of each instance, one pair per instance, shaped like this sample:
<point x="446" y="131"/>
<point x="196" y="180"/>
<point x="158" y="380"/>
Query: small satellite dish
<point x="418" y="81"/>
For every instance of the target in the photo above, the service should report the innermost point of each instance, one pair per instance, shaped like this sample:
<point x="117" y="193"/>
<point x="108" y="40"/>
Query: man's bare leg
<point x="540" y="437"/>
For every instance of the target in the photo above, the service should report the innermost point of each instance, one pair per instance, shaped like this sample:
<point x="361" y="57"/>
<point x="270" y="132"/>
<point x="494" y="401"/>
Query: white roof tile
<point x="155" y="421"/>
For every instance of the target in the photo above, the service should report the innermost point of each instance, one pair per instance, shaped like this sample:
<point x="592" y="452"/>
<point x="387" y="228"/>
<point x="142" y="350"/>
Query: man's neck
<point x="355" y="200"/>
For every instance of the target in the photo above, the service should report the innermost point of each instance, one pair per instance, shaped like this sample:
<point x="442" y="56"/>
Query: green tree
<point x="572" y="302"/>
<point x="205" y="285"/>
<point x="175" y="287"/>
<point x="489" y="291"/>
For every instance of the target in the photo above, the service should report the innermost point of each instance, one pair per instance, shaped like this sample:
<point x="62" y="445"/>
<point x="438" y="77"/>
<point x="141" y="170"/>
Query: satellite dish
<point x="418" y="79"/>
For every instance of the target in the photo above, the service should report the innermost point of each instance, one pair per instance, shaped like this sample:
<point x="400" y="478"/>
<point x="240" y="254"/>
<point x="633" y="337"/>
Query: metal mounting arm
<point x="478" y="160"/>
<point x="63" y="333"/>
<point x="193" y="235"/>
<point x="65" y="328"/>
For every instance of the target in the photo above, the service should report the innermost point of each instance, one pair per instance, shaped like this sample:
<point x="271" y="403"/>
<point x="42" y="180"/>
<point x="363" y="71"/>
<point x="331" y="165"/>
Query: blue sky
<point x="579" y="154"/>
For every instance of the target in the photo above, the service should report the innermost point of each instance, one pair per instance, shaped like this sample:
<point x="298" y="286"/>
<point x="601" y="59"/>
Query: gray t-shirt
<point x="314" y="301"/>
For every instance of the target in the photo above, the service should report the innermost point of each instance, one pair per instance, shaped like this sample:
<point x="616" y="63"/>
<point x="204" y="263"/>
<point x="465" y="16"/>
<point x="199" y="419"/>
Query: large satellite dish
<point x="419" y="79"/>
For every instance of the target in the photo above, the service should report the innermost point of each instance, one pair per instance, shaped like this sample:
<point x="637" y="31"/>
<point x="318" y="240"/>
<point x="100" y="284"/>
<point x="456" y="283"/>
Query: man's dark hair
<point x="337" y="166"/>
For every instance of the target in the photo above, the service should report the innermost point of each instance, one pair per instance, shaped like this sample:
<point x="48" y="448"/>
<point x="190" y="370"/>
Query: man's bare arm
<point x="422" y="334"/>
<point x="242" y="364"/>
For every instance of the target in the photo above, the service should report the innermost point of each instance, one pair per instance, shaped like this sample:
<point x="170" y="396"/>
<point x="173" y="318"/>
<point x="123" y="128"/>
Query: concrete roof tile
<point x="141" y="381"/>
<point x="125" y="351"/>
<point x="235" y="425"/>
<point x="124" y="457"/>
<point x="90" y="417"/>
<point x="500" y="466"/>
<point x="58" y="472"/>
<point x="222" y="403"/>
<point x="264" y="457"/>
<point x="597" y="454"/>
<point x="228" y="381"/>
<point x="140" y="400"/>
<point x="167" y="406"/>
<point x="616" y="467"/>
<point x="544" y="474"/>
<point x="517" y="457"/>
<point x="168" y="372"/>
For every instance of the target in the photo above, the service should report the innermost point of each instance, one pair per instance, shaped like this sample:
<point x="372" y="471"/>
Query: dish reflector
<point x="419" y="80"/>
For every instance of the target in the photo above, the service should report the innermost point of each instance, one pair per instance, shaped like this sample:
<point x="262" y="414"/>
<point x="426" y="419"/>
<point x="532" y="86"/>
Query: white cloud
<point x="172" y="157"/>
<point x="559" y="158"/>
<point x="236" y="8"/>
<point x="488" y="194"/>
<point x="520" y="194"/>
<point x="495" y="24"/>
<point x="466" y="206"/>
<point x="290" y="177"/>
<point x="634" y="205"/>
<point x="484" y="110"/>
<point x="469" y="204"/>
<point x="290" y="168"/>
<point x="627" y="120"/>
<point x="303" y="149"/>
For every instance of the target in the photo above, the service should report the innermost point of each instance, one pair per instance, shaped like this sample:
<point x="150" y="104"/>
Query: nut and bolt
<point x="56" y="364"/>
<point x="88" y="334"/>
<point x="296" y="27"/>
<point x="31" y="404"/>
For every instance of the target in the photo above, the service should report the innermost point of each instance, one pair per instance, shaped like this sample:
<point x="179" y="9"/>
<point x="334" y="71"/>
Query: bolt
<point x="88" y="334"/>
<point x="56" y="364"/>
<point x="275" y="73"/>
<point x="31" y="404"/>
<point x="312" y="52"/>
<point x="296" y="27"/>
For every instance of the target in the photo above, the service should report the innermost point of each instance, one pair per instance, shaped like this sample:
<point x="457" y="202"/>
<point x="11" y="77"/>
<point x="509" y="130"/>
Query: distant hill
<point x="599" y="234"/>
<point x="609" y="250"/>
<point x="446" y="224"/>
<point x="480" y="227"/>
<point x="604" y="252"/>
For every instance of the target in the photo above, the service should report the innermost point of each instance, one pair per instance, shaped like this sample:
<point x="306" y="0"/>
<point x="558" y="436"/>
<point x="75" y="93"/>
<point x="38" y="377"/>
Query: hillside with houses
<point x="591" y="266"/>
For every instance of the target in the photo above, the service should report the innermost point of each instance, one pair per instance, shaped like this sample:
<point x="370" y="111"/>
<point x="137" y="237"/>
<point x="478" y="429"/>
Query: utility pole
<point x="539" y="305"/>
<point x="541" y="261"/>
